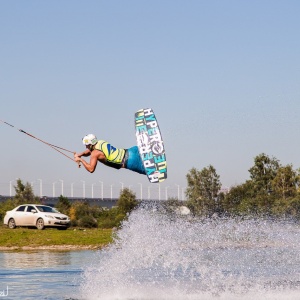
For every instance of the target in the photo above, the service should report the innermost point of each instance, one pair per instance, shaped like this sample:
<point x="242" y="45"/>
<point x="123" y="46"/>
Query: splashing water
<point x="158" y="256"/>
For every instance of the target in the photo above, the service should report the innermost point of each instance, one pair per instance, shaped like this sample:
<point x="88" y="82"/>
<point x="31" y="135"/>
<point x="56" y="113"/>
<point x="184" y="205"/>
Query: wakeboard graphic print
<point x="150" y="145"/>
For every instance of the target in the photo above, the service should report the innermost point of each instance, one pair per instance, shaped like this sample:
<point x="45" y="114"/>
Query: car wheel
<point x="11" y="223"/>
<point x="40" y="224"/>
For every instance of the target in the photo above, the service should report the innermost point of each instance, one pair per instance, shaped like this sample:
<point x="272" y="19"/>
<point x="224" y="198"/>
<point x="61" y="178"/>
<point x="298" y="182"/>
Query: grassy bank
<point x="21" y="238"/>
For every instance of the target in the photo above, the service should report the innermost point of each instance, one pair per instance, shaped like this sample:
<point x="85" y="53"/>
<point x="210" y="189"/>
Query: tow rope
<point x="56" y="148"/>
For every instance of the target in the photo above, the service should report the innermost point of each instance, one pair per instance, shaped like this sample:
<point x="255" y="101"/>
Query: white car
<point x="36" y="215"/>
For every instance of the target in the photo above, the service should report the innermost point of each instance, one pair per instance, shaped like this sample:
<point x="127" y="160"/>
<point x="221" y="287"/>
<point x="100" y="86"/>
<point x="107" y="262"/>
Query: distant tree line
<point x="81" y="213"/>
<point x="272" y="190"/>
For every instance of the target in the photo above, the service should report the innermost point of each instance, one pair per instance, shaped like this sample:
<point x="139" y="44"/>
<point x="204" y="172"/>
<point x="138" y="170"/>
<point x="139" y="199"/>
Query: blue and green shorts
<point x="133" y="160"/>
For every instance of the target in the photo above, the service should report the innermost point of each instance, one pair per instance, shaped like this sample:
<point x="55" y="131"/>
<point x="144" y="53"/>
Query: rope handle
<point x="78" y="162"/>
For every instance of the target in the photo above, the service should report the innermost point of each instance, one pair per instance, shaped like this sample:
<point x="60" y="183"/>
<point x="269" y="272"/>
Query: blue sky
<point x="221" y="76"/>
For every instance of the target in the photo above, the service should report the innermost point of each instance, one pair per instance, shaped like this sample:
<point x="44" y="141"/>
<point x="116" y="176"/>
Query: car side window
<point x="29" y="208"/>
<point x="21" y="208"/>
<point x="40" y="208"/>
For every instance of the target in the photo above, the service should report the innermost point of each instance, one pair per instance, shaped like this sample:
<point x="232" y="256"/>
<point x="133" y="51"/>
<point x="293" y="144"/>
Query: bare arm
<point x="86" y="152"/>
<point x="91" y="166"/>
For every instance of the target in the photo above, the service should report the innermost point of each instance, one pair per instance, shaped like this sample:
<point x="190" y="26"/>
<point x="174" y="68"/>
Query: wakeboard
<point x="150" y="145"/>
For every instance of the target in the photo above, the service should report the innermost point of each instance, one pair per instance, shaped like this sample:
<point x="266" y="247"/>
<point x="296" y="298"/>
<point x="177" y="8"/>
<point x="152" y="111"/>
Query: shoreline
<point x="52" y="247"/>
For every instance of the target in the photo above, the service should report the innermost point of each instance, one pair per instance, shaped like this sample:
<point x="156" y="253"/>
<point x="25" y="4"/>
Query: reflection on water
<point x="41" y="274"/>
<point x="35" y="259"/>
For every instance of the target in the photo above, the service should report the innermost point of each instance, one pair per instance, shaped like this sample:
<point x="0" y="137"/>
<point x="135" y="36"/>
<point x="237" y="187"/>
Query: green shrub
<point x="63" y="205"/>
<point x="127" y="201"/>
<point x="88" y="222"/>
<point x="111" y="218"/>
<point x="6" y="206"/>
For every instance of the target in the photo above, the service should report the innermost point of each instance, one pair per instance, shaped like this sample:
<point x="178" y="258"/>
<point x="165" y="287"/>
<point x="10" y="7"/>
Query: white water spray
<point x="158" y="256"/>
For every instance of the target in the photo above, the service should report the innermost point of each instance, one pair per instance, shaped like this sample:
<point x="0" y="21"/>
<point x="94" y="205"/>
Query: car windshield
<point x="47" y="209"/>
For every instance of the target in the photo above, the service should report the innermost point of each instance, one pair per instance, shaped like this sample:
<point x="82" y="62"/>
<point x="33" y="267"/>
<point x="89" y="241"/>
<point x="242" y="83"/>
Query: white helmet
<point x="89" y="139"/>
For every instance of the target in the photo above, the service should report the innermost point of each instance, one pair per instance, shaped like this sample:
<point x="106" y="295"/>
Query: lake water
<point x="41" y="274"/>
<point x="160" y="257"/>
